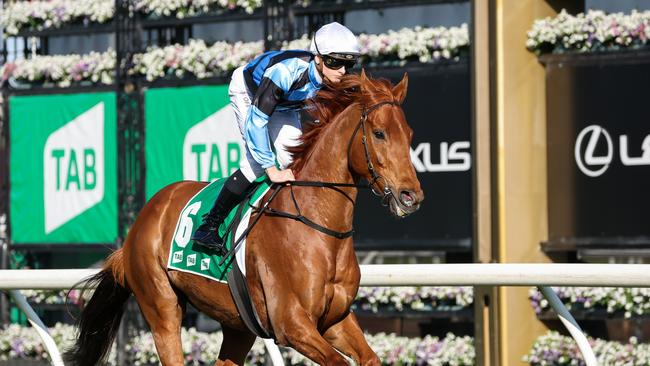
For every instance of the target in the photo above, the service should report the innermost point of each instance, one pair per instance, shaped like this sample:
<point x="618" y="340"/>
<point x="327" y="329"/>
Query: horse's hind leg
<point x="163" y="311"/>
<point x="235" y="347"/>
<point x="347" y="337"/>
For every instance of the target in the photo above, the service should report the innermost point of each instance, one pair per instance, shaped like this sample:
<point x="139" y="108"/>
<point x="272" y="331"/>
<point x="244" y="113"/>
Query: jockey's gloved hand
<point x="279" y="176"/>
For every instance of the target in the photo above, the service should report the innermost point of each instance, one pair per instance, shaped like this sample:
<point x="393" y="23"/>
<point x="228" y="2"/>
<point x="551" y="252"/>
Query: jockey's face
<point x="333" y="75"/>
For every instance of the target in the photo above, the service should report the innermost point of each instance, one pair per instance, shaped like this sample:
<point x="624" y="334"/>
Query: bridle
<point x="386" y="193"/>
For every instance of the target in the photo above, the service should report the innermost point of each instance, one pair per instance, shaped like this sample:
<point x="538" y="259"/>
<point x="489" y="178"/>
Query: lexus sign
<point x="598" y="153"/>
<point x="594" y="164"/>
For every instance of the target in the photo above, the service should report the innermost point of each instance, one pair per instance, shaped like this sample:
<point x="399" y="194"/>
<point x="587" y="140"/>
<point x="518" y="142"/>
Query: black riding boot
<point x="233" y="192"/>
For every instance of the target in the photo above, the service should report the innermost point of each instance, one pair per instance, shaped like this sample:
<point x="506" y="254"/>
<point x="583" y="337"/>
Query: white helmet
<point x="335" y="40"/>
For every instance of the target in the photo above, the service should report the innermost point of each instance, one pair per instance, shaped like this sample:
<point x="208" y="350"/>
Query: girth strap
<point x="241" y="295"/>
<point x="237" y="282"/>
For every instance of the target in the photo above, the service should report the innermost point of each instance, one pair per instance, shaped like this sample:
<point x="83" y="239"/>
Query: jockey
<point x="266" y="95"/>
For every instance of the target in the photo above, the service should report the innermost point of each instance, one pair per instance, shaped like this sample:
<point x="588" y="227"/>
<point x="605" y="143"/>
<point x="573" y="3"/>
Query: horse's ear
<point x="363" y="75"/>
<point x="364" y="80"/>
<point x="399" y="90"/>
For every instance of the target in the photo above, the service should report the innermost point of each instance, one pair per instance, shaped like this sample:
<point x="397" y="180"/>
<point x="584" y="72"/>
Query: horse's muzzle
<point x="405" y="202"/>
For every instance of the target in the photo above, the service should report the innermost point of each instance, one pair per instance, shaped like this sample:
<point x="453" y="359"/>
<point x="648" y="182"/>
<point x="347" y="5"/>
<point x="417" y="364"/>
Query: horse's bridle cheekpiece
<point x="386" y="193"/>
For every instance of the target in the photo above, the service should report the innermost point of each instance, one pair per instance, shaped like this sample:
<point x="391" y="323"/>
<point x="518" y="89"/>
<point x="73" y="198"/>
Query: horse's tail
<point x="100" y="318"/>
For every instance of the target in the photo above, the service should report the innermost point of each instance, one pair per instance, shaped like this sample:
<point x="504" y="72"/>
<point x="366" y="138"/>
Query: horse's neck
<point x="328" y="162"/>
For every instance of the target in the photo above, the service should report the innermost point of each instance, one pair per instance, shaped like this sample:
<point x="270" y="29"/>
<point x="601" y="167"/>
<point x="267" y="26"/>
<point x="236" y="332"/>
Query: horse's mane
<point x="330" y="101"/>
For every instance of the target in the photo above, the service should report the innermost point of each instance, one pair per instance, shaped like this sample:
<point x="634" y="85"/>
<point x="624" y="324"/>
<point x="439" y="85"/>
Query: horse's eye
<point x="379" y="134"/>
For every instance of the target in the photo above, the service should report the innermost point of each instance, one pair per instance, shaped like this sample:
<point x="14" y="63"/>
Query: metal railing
<point x="521" y="274"/>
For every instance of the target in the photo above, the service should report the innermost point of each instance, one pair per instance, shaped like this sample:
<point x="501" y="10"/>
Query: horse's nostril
<point x="407" y="198"/>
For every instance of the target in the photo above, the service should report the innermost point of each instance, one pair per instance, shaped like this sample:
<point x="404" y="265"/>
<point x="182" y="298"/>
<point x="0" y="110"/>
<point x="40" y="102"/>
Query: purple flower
<point x="17" y="346"/>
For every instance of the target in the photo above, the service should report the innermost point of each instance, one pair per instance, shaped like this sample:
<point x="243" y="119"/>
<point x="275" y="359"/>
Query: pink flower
<point x="9" y="69"/>
<point x="641" y="30"/>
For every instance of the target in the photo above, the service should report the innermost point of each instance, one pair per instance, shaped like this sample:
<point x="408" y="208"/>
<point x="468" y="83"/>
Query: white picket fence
<point x="522" y="274"/>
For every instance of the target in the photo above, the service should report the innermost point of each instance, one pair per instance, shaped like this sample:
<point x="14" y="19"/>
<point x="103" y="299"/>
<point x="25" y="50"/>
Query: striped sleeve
<point x="274" y="85"/>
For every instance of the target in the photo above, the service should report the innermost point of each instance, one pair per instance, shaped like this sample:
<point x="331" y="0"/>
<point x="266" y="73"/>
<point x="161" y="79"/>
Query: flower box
<point x="202" y="348"/>
<point x="19" y="362"/>
<point x="606" y="301"/>
<point x="40" y="17"/>
<point x="35" y="16"/>
<point x="198" y="61"/>
<point x="554" y="349"/>
<point x="594" y="31"/>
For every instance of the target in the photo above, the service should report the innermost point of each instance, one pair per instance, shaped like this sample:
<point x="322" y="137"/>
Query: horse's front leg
<point x="347" y="337"/>
<point x="296" y="329"/>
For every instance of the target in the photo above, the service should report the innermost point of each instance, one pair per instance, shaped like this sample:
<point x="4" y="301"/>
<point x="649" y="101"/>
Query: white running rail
<point x="38" y="325"/>
<point x="472" y="274"/>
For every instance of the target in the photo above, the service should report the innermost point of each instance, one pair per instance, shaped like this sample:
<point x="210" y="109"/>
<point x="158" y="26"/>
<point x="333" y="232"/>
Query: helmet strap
<point x="316" y="44"/>
<point x="319" y="66"/>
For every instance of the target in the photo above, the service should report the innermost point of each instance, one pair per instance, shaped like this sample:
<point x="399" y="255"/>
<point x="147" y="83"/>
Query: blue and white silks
<point x="278" y="81"/>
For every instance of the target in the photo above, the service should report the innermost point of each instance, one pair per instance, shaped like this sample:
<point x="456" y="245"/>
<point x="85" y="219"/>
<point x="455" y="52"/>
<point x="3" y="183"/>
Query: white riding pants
<point x="284" y="127"/>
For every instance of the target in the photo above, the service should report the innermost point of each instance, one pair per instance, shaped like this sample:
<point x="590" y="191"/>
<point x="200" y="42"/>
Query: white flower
<point x="17" y="15"/>
<point x="202" y="348"/>
<point x="592" y="31"/>
<point x="201" y="61"/>
<point x="414" y="298"/>
<point x="301" y="43"/>
<point x="182" y="8"/>
<point x="423" y="44"/>
<point x="196" y="58"/>
<point x="628" y="301"/>
<point x="553" y="349"/>
<point x="41" y="14"/>
<point x="64" y="70"/>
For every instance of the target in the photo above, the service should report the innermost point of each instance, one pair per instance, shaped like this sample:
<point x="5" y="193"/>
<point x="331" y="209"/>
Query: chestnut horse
<point x="301" y="280"/>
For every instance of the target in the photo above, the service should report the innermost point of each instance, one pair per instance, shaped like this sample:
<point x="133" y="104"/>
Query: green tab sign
<point x="63" y="168"/>
<point x="191" y="134"/>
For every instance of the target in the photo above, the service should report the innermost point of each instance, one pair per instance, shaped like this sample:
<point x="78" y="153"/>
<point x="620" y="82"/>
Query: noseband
<point x="386" y="193"/>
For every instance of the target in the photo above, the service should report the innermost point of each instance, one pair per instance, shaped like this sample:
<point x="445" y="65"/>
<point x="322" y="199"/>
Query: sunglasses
<point x="335" y="63"/>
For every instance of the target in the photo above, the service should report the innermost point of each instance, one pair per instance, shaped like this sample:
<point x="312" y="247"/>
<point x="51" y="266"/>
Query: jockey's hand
<point x="279" y="176"/>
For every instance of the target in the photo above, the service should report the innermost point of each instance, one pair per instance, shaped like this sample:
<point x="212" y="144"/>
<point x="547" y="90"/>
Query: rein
<point x="299" y="217"/>
<point x="385" y="194"/>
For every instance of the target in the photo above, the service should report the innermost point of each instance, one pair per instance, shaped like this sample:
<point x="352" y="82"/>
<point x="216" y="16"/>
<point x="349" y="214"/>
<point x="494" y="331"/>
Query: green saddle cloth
<point x="187" y="256"/>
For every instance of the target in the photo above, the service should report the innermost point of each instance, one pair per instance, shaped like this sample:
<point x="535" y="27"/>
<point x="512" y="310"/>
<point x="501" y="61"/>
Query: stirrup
<point x="219" y="249"/>
<point x="211" y="240"/>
